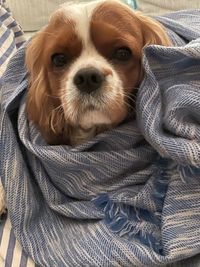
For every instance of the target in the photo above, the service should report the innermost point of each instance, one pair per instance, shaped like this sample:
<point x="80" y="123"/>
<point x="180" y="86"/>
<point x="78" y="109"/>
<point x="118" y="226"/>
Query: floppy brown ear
<point x="153" y="31"/>
<point x="40" y="106"/>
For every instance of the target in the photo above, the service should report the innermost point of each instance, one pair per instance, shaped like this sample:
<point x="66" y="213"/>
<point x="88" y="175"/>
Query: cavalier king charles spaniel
<point x="85" y="66"/>
<point x="84" y="69"/>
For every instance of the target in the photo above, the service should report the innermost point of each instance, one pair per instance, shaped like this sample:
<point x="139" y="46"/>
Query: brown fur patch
<point x="114" y="26"/>
<point x="44" y="93"/>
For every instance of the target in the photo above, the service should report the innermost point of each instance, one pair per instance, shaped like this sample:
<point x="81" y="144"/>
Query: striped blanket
<point x="129" y="197"/>
<point x="11" y="38"/>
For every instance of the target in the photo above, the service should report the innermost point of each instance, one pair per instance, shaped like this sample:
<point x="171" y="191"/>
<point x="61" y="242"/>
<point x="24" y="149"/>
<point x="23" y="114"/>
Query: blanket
<point x="129" y="197"/>
<point x="11" y="36"/>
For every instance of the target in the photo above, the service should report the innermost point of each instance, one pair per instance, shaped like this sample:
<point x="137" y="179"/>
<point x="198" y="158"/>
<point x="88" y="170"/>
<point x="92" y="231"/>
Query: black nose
<point x="88" y="80"/>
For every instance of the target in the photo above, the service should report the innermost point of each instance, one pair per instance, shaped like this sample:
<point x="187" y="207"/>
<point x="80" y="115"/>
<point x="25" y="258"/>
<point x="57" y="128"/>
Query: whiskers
<point x="72" y="106"/>
<point x="59" y="108"/>
<point x="130" y="101"/>
<point x="57" y="119"/>
<point x="131" y="98"/>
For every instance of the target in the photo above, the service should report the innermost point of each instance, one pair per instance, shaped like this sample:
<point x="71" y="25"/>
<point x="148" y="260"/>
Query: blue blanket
<point x="11" y="36"/>
<point x="130" y="196"/>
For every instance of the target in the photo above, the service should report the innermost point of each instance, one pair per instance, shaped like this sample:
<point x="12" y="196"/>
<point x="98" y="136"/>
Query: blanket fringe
<point x="132" y="222"/>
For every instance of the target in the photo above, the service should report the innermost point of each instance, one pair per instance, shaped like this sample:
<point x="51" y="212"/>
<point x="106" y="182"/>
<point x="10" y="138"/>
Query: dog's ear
<point x="40" y="105"/>
<point x="153" y="32"/>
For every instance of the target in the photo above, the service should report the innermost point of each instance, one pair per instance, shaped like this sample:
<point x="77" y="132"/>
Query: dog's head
<point x="84" y="67"/>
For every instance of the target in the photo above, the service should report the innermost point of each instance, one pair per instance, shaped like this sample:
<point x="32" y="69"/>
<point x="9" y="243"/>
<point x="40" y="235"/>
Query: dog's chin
<point x="89" y="124"/>
<point x="94" y="119"/>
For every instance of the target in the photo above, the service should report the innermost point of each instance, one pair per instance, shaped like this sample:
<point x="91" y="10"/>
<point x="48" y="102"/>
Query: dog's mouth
<point x="88" y="124"/>
<point x="89" y="115"/>
<point x="91" y="112"/>
<point x="87" y="111"/>
<point x="103" y="107"/>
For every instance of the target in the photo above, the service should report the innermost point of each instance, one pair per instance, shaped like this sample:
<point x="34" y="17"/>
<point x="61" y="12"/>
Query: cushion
<point x="159" y="7"/>
<point x="33" y="15"/>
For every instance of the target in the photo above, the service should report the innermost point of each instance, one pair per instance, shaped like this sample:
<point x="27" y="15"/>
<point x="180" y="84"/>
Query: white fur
<point x="81" y="14"/>
<point x="91" y="117"/>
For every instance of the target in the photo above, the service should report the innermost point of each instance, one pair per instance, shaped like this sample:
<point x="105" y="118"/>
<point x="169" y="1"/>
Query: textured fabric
<point x="11" y="36"/>
<point x="160" y="7"/>
<point x="11" y="254"/>
<point x="118" y="200"/>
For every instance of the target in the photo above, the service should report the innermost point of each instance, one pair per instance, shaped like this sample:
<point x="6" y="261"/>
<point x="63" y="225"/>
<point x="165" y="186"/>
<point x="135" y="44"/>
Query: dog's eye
<point x="59" y="60"/>
<point x="122" y="54"/>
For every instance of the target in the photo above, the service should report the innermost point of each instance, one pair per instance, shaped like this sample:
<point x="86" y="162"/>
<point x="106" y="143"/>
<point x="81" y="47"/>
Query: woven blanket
<point x="130" y="196"/>
<point x="11" y="36"/>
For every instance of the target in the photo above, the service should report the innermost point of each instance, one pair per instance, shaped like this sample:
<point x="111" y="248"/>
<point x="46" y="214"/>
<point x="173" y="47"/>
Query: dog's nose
<point x="88" y="80"/>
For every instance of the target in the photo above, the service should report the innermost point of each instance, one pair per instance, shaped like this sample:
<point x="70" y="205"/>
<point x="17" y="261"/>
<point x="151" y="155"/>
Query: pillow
<point x="159" y="7"/>
<point x="33" y="15"/>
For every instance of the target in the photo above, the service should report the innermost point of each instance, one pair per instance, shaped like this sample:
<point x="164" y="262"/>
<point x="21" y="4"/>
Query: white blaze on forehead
<point x="81" y="14"/>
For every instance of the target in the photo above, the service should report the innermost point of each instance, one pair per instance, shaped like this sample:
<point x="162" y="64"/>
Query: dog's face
<point x="84" y="67"/>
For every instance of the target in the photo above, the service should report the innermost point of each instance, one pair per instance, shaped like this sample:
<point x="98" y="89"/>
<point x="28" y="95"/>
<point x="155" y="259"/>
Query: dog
<point x="84" y="69"/>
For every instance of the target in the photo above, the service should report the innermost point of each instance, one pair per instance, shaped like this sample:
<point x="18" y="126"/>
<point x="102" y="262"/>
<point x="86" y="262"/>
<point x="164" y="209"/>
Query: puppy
<point x="84" y="67"/>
